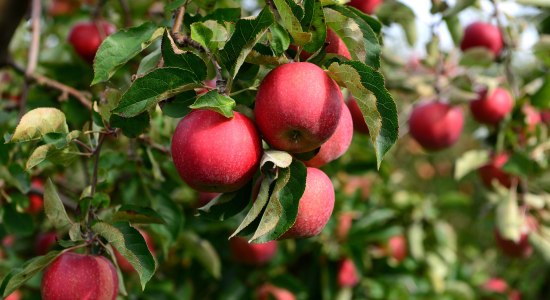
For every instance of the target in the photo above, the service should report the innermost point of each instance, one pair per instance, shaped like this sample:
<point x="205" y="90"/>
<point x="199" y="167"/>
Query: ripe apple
<point x="123" y="263"/>
<point x="315" y="206"/>
<point x="215" y="154"/>
<point x="500" y="286"/>
<point x="545" y="116"/>
<point x="36" y="201"/>
<point x="493" y="170"/>
<point x="345" y="220"/>
<point x="366" y="6"/>
<point x="337" y="144"/>
<point x="397" y="248"/>
<point x="479" y="34"/>
<point x="359" y="123"/>
<point x="436" y="125"/>
<point x="335" y="46"/>
<point x="347" y="274"/>
<point x="252" y="254"/>
<point x="521" y="248"/>
<point x="14" y="296"/>
<point x="491" y="109"/>
<point x="209" y="83"/>
<point x="79" y="276"/>
<point x="270" y="292"/>
<point x="62" y="7"/>
<point x="45" y="242"/>
<point x="532" y="117"/>
<point x="298" y="107"/>
<point x="85" y="37"/>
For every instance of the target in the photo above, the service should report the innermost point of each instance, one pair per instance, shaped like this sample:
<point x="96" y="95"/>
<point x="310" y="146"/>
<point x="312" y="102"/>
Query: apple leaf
<point x="121" y="285"/>
<point x="133" y="126"/>
<point x="376" y="103"/>
<point x="49" y="152"/>
<point x="53" y="207"/>
<point x="396" y="12"/>
<point x="520" y="164"/>
<point x="131" y="245"/>
<point x="149" y="62"/>
<point x="213" y="100"/>
<point x="509" y="220"/>
<point x="227" y="205"/>
<point x="313" y="22"/>
<point x="118" y="48"/>
<point x="259" y="204"/>
<point x="38" y="122"/>
<point x="17" y="223"/>
<point x="204" y="252"/>
<point x="175" y="57"/>
<point x="415" y="239"/>
<point x="210" y="34"/>
<point x="541" y="99"/>
<point x="247" y="33"/>
<point x="291" y="14"/>
<point x="279" y="158"/>
<point x="470" y="161"/>
<point x="541" y="243"/>
<point x="170" y="213"/>
<point x="264" y="55"/>
<point x="282" y="208"/>
<point x="155" y="86"/>
<point x="178" y="107"/>
<point x="137" y="214"/>
<point x="18" y="276"/>
<point x="477" y="57"/>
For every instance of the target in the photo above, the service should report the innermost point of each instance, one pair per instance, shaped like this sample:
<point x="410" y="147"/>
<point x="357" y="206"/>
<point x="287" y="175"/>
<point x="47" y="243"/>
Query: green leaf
<point x="263" y="55"/>
<point x="137" y="215"/>
<point x="314" y="23"/>
<point x="210" y="34"/>
<point x="175" y="57"/>
<point x="396" y="12"/>
<point x="178" y="107"/>
<point x="170" y="213"/>
<point x="131" y="127"/>
<point x="131" y="245"/>
<point x="38" y="122"/>
<point x="17" y="223"/>
<point x="416" y="240"/>
<point x="378" y="107"/>
<point x="149" y="62"/>
<point x="541" y="99"/>
<point x="258" y="206"/>
<point x="173" y="5"/>
<point x="279" y="158"/>
<point x="520" y="164"/>
<point x="291" y="14"/>
<point x="227" y="205"/>
<point x="204" y="252"/>
<point x="55" y="211"/>
<point x="542" y="48"/>
<point x="282" y="208"/>
<point x="509" y="220"/>
<point x="118" y="48"/>
<point x="541" y="243"/>
<point x="155" y="86"/>
<point x="247" y="33"/>
<point x="470" y="161"/>
<point x="213" y="100"/>
<point x="477" y="57"/>
<point x="362" y="42"/>
<point x="18" y="276"/>
<point x="455" y="28"/>
<point x="279" y="39"/>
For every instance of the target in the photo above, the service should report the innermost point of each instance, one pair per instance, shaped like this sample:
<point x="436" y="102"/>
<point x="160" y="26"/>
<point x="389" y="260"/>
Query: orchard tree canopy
<point x="277" y="149"/>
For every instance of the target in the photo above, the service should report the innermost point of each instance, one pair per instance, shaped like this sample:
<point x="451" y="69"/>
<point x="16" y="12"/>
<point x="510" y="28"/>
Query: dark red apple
<point x="397" y="248"/>
<point x="359" y="123"/>
<point x="252" y="254"/>
<point x="298" y="107"/>
<point x="124" y="264"/>
<point x="493" y="171"/>
<point x="491" y="109"/>
<point x="436" y="125"/>
<point x="85" y="37"/>
<point x="213" y="153"/>
<point x="347" y="274"/>
<point x="480" y="34"/>
<point x="45" y="242"/>
<point x="315" y="206"/>
<point x="36" y="200"/>
<point x="335" y="46"/>
<point x="77" y="276"/>
<point x="270" y="292"/>
<point x="337" y="144"/>
<point x="366" y="6"/>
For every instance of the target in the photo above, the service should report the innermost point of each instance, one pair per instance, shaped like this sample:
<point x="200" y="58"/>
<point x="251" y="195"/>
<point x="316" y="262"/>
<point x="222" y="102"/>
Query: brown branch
<point x="178" y="21"/>
<point x="35" y="41"/>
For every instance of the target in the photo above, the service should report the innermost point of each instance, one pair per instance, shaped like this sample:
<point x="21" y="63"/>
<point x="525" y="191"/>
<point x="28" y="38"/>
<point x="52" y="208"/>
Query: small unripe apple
<point x="36" y="201"/>
<point x="123" y="263"/>
<point x="252" y="254"/>
<point x="366" y="6"/>
<point x="213" y="153"/>
<point x="45" y="242"/>
<point x="298" y="107"/>
<point x="436" y="125"/>
<point x="493" y="171"/>
<point x="337" y="144"/>
<point x="85" y="37"/>
<point x="79" y="276"/>
<point x="491" y="109"/>
<point x="397" y="248"/>
<point x="521" y="248"/>
<point x="315" y="206"/>
<point x="347" y="274"/>
<point x="271" y="292"/>
<point x="14" y="296"/>
<point x="359" y="123"/>
<point x="480" y="34"/>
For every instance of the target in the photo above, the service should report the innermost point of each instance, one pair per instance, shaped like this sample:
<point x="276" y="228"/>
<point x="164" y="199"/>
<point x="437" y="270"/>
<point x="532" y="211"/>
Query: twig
<point x="178" y="21"/>
<point x="96" y="153"/>
<point x="148" y="141"/>
<point x="127" y="13"/>
<point x="83" y="145"/>
<point x="35" y="41"/>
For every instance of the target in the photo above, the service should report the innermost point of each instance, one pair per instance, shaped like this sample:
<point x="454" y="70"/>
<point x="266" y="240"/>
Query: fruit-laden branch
<point x="11" y="13"/>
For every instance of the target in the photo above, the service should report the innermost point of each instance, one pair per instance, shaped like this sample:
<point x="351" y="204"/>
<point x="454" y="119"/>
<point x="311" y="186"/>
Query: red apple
<point x="532" y="117"/>
<point x="347" y="274"/>
<point x="545" y="116"/>
<point x="496" y="285"/>
<point x="514" y="295"/>
<point x="491" y="109"/>
<point x="85" y="37"/>
<point x="62" y="7"/>
<point x="366" y="6"/>
<point x="519" y="249"/>
<point x="123" y="263"/>
<point x="484" y="35"/>
<point x="14" y="296"/>
<point x="79" y="276"/>
<point x="213" y="153"/>
<point x="252" y="254"/>
<point x="493" y="171"/>
<point x="271" y="292"/>
<point x="36" y="200"/>
<point x="337" y="144"/>
<point x="8" y="241"/>
<point x="359" y="123"/>
<point x="397" y="248"/>
<point x="345" y="221"/>
<point x="335" y="46"/>
<point x="315" y="206"/>
<point x="436" y="125"/>
<point x="209" y="83"/>
<point x="45" y="242"/>
<point x="298" y="107"/>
